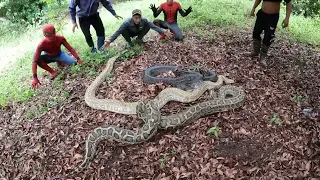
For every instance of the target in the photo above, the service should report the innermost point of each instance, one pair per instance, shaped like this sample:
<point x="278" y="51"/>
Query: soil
<point x="249" y="145"/>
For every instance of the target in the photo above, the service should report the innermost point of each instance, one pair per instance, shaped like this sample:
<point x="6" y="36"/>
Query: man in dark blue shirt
<point x="136" y="26"/>
<point x="87" y="11"/>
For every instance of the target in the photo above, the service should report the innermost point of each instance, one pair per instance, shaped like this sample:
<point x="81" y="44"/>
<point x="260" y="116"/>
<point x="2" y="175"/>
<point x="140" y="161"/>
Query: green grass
<point x="16" y="83"/>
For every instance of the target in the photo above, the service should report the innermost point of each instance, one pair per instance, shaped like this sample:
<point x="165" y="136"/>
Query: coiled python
<point x="149" y="112"/>
<point x="166" y="95"/>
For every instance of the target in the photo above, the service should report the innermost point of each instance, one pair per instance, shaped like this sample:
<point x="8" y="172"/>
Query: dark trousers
<point x="173" y="27"/>
<point x="97" y="24"/>
<point x="128" y="34"/>
<point x="268" y="24"/>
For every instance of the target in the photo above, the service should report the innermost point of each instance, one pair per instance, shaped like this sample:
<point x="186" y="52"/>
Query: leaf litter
<point x="248" y="145"/>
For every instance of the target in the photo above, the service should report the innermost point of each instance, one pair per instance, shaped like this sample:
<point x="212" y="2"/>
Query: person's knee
<point x="66" y="59"/>
<point x="179" y="36"/>
<point x="177" y="33"/>
<point x="157" y="22"/>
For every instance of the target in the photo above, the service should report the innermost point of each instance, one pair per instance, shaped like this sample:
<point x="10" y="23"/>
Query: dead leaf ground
<point x="247" y="147"/>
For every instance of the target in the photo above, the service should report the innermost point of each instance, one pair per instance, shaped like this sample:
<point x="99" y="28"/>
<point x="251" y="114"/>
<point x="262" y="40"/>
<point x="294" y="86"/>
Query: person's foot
<point x="140" y="41"/>
<point x="104" y="53"/>
<point x="264" y="55"/>
<point x="256" y="45"/>
<point x="54" y="75"/>
<point x="129" y="45"/>
<point x="93" y="50"/>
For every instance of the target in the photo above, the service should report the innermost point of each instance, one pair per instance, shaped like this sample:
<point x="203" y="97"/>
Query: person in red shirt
<point x="51" y="45"/>
<point x="170" y="10"/>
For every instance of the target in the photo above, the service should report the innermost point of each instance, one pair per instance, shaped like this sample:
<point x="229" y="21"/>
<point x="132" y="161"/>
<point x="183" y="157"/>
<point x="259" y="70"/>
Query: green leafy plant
<point x="162" y="162"/>
<point x="214" y="129"/>
<point x="275" y="119"/>
<point x="298" y="98"/>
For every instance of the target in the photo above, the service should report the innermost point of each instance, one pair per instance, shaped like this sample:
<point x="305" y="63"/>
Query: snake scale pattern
<point x="166" y="95"/>
<point x="149" y="112"/>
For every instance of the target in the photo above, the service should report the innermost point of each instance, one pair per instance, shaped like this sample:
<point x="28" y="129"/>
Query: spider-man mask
<point x="49" y="32"/>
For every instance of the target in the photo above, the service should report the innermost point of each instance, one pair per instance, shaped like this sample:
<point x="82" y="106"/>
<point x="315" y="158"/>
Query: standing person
<point x="87" y="11"/>
<point x="51" y="46"/>
<point x="170" y="10"/>
<point x="267" y="20"/>
<point x="135" y="26"/>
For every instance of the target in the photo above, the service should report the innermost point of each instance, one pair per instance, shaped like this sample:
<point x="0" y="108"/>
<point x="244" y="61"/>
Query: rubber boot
<point x="45" y="66"/>
<point x="256" y="45"/>
<point x="264" y="55"/>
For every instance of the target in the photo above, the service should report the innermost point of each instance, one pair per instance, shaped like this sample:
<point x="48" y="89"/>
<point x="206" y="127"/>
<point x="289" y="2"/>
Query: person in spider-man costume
<point x="51" y="45"/>
<point x="170" y="10"/>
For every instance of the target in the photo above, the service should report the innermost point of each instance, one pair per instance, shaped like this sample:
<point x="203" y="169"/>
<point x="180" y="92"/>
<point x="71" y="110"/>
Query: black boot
<point x="264" y="55"/>
<point x="256" y="45"/>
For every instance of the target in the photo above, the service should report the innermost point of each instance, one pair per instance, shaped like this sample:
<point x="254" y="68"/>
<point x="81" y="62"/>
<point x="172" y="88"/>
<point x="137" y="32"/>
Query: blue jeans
<point x="62" y="58"/>
<point x="173" y="26"/>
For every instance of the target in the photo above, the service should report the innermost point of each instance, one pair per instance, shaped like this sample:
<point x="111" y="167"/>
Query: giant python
<point x="149" y="111"/>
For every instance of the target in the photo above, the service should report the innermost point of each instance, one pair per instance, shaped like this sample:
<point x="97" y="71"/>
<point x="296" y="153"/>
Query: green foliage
<point x="275" y="119"/>
<point x="214" y="130"/>
<point x="307" y="8"/>
<point x="26" y="11"/>
<point x="129" y="53"/>
<point x="31" y="12"/>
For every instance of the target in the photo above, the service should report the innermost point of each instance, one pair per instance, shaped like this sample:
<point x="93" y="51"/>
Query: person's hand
<point x="189" y="10"/>
<point x="106" y="44"/>
<point x="75" y="25"/>
<point x="153" y="7"/>
<point x="285" y="23"/>
<point x="168" y="34"/>
<point x="118" y="17"/>
<point x="79" y="61"/>
<point x="35" y="83"/>
<point x="252" y="12"/>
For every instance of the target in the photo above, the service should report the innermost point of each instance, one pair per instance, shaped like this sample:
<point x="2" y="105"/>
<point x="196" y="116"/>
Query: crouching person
<point x="51" y="46"/>
<point x="135" y="26"/>
<point x="170" y="10"/>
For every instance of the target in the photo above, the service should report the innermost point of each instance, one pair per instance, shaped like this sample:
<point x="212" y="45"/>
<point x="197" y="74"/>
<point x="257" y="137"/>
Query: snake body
<point x="149" y="112"/>
<point x="166" y="95"/>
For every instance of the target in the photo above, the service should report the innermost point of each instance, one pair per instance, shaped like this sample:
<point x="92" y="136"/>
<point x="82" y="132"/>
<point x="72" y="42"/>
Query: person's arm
<point x="36" y="57"/>
<point x="256" y="4"/>
<point x="288" y="9"/>
<point x="184" y="13"/>
<point x="72" y="11"/>
<point x="123" y="26"/>
<point x="154" y="27"/>
<point x="70" y="48"/>
<point x="108" y="6"/>
<point x="156" y="11"/>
